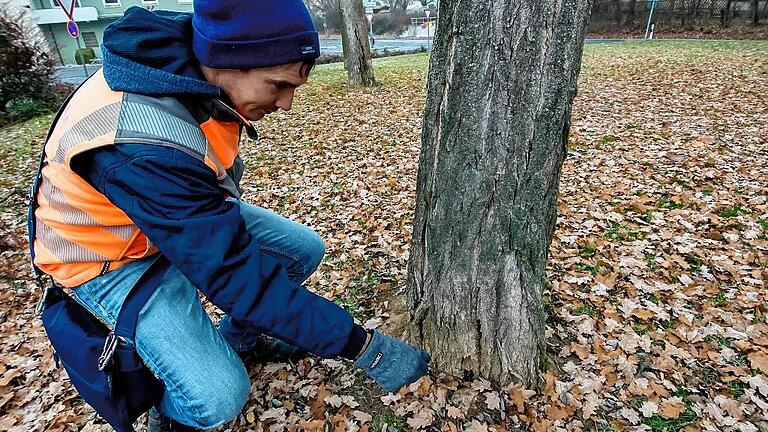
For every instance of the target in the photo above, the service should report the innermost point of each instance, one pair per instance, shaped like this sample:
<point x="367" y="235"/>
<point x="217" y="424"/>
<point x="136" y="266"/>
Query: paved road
<point x="75" y="74"/>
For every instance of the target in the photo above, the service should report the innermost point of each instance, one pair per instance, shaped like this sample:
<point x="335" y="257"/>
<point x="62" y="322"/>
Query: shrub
<point x="391" y="23"/>
<point x="21" y="109"/>
<point x="87" y="55"/>
<point x="26" y="72"/>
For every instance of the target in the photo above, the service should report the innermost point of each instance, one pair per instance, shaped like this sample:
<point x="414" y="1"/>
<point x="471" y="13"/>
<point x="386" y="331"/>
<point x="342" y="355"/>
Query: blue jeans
<point x="206" y="383"/>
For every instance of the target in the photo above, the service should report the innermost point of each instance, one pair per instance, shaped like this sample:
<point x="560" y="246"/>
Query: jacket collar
<point x="221" y="110"/>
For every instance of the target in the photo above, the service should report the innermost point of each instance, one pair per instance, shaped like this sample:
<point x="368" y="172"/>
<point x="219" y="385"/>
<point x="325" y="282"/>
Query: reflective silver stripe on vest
<point x="163" y="121"/>
<point x="74" y="216"/>
<point x="63" y="249"/>
<point x="98" y="123"/>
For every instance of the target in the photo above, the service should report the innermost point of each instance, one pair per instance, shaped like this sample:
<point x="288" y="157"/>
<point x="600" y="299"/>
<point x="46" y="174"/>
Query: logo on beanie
<point x="376" y="360"/>
<point x="308" y="49"/>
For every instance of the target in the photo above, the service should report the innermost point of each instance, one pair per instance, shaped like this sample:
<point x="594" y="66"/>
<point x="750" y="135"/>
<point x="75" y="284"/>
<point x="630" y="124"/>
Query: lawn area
<point x="656" y="311"/>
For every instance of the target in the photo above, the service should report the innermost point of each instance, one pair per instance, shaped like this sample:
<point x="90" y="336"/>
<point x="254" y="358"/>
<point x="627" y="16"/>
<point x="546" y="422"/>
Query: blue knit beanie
<point x="237" y="34"/>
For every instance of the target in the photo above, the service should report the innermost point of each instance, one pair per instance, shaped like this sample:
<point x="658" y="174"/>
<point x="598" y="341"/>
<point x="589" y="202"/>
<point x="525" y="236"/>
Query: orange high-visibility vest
<point x="79" y="233"/>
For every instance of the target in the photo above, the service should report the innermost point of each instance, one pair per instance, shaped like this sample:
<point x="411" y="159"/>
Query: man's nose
<point x="285" y="101"/>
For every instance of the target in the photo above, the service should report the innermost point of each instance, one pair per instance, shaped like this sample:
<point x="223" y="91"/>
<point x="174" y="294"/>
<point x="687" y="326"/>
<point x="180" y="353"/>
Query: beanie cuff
<point x="297" y="47"/>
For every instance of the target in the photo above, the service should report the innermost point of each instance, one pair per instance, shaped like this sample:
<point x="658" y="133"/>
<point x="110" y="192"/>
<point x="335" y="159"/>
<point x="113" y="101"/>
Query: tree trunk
<point x="617" y="11"/>
<point x="358" y="61"/>
<point x="630" y="21"/>
<point x="755" y="13"/>
<point x="501" y="82"/>
<point x="672" y="7"/>
<point x="344" y="44"/>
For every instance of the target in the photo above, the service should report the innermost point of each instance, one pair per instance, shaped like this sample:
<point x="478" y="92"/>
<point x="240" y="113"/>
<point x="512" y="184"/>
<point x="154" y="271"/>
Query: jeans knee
<point x="224" y="399"/>
<point x="315" y="251"/>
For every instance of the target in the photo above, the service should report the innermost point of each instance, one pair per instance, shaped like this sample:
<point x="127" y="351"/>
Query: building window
<point x="90" y="40"/>
<point x="66" y="3"/>
<point x="111" y="3"/>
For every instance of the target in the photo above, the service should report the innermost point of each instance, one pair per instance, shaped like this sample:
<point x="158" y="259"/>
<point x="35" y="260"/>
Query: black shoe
<point x="157" y="422"/>
<point x="269" y="349"/>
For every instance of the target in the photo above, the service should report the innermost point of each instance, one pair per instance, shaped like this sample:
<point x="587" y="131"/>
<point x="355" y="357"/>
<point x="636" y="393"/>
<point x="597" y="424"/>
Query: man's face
<point x="258" y="92"/>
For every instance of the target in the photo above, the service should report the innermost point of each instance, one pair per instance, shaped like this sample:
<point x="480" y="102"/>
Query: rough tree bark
<point x="501" y="83"/>
<point x="358" y="59"/>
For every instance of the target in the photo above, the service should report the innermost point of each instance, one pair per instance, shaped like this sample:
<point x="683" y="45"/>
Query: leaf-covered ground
<point x="657" y="305"/>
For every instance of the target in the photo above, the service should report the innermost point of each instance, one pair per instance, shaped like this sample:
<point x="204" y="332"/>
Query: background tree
<point x="26" y="71"/>
<point x="326" y="14"/>
<point x="358" y="57"/>
<point x="630" y="18"/>
<point x="401" y="5"/>
<point x="501" y="83"/>
<point x="755" y="13"/>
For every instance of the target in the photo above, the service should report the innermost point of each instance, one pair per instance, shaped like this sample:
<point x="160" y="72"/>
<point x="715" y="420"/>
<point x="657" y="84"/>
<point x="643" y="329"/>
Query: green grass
<point x="352" y="303"/>
<point x="687" y="417"/>
<point x="19" y="141"/>
<point x="668" y="324"/>
<point x="620" y="232"/>
<point x="650" y="259"/>
<point x="363" y="287"/>
<point x="592" y="269"/>
<point x="388" y="418"/>
<point x="695" y="263"/>
<point x="331" y="77"/>
<point x="587" y="251"/>
<point x="648" y="217"/>
<point x="735" y="211"/>
<point x="719" y="341"/>
<point x="586" y="309"/>
<point x="719" y="299"/>
<point x="683" y="184"/>
<point x="659" y="424"/>
<point x="607" y="139"/>
<point x="669" y="203"/>
<point x="736" y="388"/>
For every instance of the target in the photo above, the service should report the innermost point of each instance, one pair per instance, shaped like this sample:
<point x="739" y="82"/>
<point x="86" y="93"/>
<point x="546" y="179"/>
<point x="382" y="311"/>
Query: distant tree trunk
<point x="501" y="83"/>
<point x="358" y="60"/>
<point x="755" y="13"/>
<point x="727" y="13"/>
<point x="617" y="11"/>
<point x="630" y="20"/>
<point x="398" y="5"/>
<point x="696" y="4"/>
<point x="672" y="6"/>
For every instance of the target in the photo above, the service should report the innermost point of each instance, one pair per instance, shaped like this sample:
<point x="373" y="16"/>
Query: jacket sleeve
<point x="175" y="200"/>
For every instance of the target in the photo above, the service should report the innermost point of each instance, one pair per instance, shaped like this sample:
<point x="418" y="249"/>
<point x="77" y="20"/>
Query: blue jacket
<point x="175" y="199"/>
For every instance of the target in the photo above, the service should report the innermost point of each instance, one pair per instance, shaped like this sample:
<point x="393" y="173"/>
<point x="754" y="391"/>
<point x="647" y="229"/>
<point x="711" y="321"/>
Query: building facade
<point x="92" y="17"/>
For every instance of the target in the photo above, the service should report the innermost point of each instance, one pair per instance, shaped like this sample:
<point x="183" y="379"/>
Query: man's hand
<point x="393" y="363"/>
